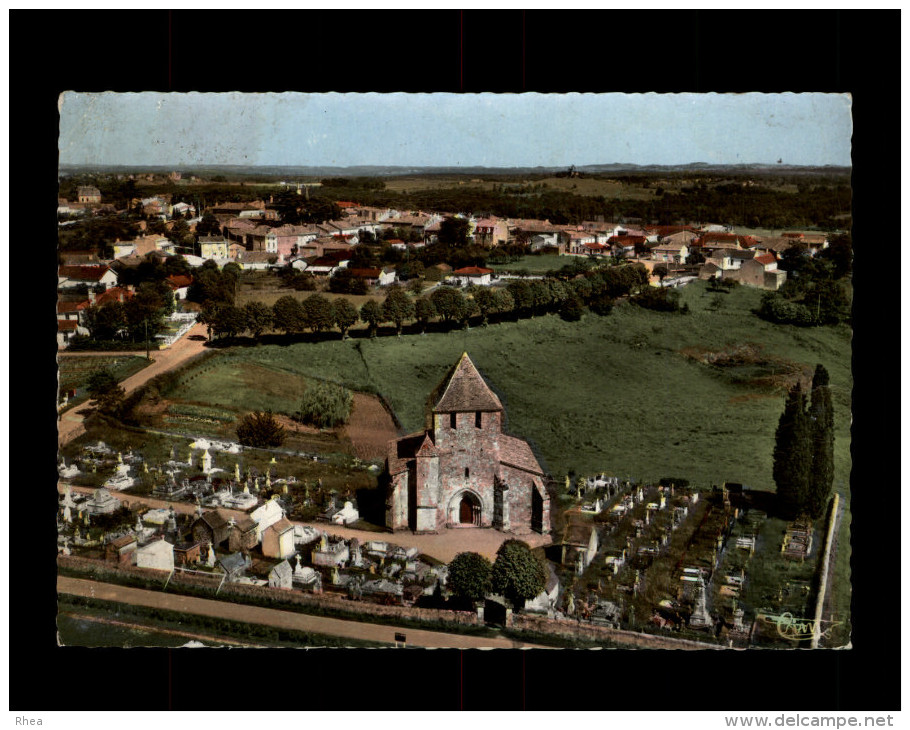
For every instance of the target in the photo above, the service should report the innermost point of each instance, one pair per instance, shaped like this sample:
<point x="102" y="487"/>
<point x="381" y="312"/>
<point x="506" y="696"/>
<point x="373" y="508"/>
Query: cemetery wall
<point x="574" y="630"/>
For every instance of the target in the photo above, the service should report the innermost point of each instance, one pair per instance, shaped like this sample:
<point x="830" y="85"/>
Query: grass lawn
<point x="535" y="264"/>
<point x="75" y="370"/>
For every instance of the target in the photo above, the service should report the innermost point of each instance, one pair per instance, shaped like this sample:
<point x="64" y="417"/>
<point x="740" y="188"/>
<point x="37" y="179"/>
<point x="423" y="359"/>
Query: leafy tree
<point x="180" y="234"/>
<point x="415" y="287"/>
<point x="343" y="281"/>
<point x="792" y="455"/>
<point x="177" y="266"/>
<point x="107" y="395"/>
<point x="287" y="315"/>
<point x="397" y="308"/>
<point x="517" y="573"/>
<point x="208" y="226"/>
<point x="317" y="313"/>
<point x="840" y="254"/>
<point x="661" y="271"/>
<point x="601" y="304"/>
<point x="146" y="310"/>
<point x="659" y="299"/>
<point x="485" y="300"/>
<point x="325" y="405"/>
<point x="371" y="313"/>
<point x="469" y="576"/>
<point x="449" y="303"/>
<point x="821" y="421"/>
<point x="258" y="317"/>
<point x="424" y="311"/>
<point x="540" y="296"/>
<point x="453" y="232"/>
<point x="502" y="301"/>
<point x="229" y="322"/>
<point x="522" y="296"/>
<point x="344" y="315"/>
<point x="571" y="309"/>
<point x="260" y="430"/>
<point x="104" y="322"/>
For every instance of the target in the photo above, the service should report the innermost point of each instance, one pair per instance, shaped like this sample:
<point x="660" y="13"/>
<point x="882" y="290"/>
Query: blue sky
<point x="495" y="130"/>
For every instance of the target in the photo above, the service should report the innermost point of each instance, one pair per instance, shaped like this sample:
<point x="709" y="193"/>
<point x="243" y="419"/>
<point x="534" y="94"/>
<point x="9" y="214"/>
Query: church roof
<point x="517" y="453"/>
<point x="466" y="390"/>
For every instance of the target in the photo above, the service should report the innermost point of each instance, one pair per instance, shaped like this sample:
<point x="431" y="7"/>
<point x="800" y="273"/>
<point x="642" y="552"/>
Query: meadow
<point x="636" y="394"/>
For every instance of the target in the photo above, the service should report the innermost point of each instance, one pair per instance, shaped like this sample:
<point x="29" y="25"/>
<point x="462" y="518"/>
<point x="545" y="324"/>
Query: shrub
<point x="325" y="405"/>
<point x="260" y="430"/>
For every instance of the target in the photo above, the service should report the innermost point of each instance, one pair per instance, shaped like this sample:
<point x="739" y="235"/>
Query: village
<point x="626" y="556"/>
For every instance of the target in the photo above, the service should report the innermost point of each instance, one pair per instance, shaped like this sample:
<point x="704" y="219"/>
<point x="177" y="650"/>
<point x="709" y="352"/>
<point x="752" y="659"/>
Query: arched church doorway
<point x="469" y="510"/>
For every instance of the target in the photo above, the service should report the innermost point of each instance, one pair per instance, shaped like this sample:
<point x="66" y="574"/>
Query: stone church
<point x="463" y="471"/>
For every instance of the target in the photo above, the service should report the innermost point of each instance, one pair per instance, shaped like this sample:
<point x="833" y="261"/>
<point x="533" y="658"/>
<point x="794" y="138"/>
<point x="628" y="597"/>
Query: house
<point x="258" y="260"/>
<point x="492" y="231"/>
<point x="213" y="247"/>
<point x="122" y="549"/>
<point x="595" y="249"/>
<point x="278" y="539"/>
<point x="88" y="194"/>
<point x="180" y="285"/>
<point x="675" y="253"/>
<point x="731" y="259"/>
<point x="579" y="545"/>
<point x="624" y="245"/>
<point x="762" y="272"/>
<point x="281" y="576"/>
<point x="67" y="329"/>
<point x="211" y="527"/>
<point x="158" y="555"/>
<point x="327" y="265"/>
<point x="473" y="275"/>
<point x="814" y="242"/>
<point x="578" y="240"/>
<point x="462" y="471"/>
<point x="91" y="276"/>
<point x="772" y="244"/>
<point x="369" y="276"/>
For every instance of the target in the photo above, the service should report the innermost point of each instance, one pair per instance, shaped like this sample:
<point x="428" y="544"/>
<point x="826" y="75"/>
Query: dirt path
<point x="71" y="423"/>
<point x="280" y="619"/>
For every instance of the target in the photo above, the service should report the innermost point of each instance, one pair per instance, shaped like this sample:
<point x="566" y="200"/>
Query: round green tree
<point x="469" y="576"/>
<point x="517" y="573"/>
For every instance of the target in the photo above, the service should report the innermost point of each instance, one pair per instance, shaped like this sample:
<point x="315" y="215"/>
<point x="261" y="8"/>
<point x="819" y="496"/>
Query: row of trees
<point x="595" y="289"/>
<point x="517" y="574"/>
<point x="804" y="450"/>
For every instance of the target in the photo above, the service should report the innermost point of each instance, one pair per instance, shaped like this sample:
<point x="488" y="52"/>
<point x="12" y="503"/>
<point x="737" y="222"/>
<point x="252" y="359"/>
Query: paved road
<point x="71" y="424"/>
<point x="281" y="619"/>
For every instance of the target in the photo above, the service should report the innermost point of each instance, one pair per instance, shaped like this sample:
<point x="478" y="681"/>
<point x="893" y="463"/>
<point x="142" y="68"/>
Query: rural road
<point x="444" y="546"/>
<point x="70" y="424"/>
<point x="281" y="619"/>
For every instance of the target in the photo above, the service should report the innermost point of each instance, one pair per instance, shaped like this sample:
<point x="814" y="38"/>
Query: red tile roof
<point x="366" y="273"/>
<point x="67" y="325"/>
<point x="83" y="273"/>
<point x="68" y="307"/>
<point x="765" y="259"/>
<point x="472" y="271"/>
<point x="179" y="280"/>
<point x="114" y="294"/>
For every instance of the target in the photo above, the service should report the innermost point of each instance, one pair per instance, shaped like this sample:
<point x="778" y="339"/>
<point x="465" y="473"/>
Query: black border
<point x="513" y="51"/>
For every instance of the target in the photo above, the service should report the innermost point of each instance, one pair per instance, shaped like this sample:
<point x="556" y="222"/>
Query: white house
<point x="473" y="275"/>
<point x="158" y="555"/>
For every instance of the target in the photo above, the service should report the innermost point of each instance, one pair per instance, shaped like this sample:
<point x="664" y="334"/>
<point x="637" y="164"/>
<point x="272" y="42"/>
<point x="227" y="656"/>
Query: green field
<point x="534" y="264"/>
<point x="612" y="394"/>
<point x="75" y="370"/>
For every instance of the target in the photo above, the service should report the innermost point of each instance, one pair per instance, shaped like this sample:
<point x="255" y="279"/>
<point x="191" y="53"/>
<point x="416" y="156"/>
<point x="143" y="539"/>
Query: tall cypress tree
<point x="792" y="455"/>
<point x="821" y="422"/>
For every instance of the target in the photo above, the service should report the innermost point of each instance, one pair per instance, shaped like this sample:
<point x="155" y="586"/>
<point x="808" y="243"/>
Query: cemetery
<point x="666" y="559"/>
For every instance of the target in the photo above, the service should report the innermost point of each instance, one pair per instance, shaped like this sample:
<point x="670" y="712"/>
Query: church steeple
<point x="466" y="391"/>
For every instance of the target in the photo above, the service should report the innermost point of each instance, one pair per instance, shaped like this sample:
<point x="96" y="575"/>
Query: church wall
<point x="521" y="484"/>
<point x="397" y="510"/>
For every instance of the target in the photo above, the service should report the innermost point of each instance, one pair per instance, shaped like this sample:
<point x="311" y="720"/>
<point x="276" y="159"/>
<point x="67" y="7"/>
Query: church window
<point x="477" y="422"/>
<point x="467" y="473"/>
<point x="452" y="421"/>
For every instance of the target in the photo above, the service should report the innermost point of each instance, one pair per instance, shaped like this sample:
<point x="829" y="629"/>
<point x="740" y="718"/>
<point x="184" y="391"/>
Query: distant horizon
<point x="447" y="130"/>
